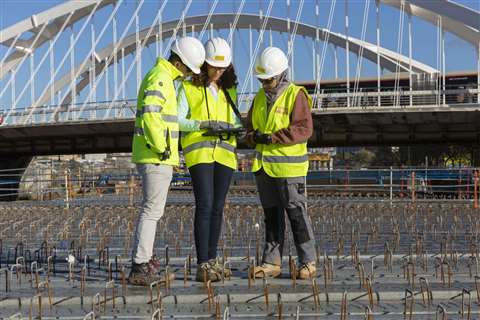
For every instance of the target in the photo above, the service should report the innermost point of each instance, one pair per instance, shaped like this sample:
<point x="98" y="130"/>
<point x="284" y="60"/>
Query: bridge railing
<point x="103" y="110"/>
<point x="332" y="99"/>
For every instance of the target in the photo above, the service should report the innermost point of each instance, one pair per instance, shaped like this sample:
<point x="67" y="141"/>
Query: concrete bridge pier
<point x="10" y="179"/>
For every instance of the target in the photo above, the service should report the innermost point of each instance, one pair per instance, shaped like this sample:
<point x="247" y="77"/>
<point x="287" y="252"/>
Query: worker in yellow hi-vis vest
<point x="208" y="118"/>
<point x="155" y="148"/>
<point x="279" y="124"/>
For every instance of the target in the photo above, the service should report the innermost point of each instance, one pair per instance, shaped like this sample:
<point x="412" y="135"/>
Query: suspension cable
<point x="98" y="78"/>
<point x="10" y="48"/>
<point x="24" y="58"/>
<point x="358" y="70"/>
<point x="91" y="56"/>
<point x="182" y="19"/>
<point x="143" y="44"/>
<point x="207" y="21"/>
<point x="235" y="22"/>
<point x="295" y="28"/>
<point x="45" y="56"/>
<point x="324" y="50"/>
<point x="437" y="77"/>
<point x="399" y="51"/>
<point x="290" y="53"/>
<point x="52" y="78"/>
<point x="257" y="47"/>
<point x="149" y="32"/>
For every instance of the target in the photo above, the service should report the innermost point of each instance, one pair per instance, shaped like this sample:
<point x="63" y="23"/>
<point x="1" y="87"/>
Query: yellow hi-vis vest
<point x="278" y="160"/>
<point x="156" y="123"/>
<point x="198" y="148"/>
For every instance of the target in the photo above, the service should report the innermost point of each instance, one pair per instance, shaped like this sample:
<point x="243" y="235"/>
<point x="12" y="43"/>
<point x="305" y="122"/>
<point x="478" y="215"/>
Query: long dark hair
<point x="226" y="81"/>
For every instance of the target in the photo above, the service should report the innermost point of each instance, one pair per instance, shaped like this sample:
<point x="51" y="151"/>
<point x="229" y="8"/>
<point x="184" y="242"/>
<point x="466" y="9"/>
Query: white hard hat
<point x="218" y="53"/>
<point x="191" y="51"/>
<point x="270" y="63"/>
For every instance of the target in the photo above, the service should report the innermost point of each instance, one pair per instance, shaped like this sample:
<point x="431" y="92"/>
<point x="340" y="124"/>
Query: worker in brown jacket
<point x="279" y="124"/>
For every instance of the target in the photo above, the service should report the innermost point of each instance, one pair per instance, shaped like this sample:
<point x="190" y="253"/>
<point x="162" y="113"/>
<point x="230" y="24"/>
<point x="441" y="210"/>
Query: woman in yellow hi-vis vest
<point x="279" y="125"/>
<point x="207" y="105"/>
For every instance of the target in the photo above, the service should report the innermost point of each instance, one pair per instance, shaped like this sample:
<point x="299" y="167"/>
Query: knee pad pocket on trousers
<point x="299" y="226"/>
<point x="273" y="225"/>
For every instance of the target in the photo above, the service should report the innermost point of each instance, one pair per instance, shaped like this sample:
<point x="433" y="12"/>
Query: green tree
<point x="363" y="158"/>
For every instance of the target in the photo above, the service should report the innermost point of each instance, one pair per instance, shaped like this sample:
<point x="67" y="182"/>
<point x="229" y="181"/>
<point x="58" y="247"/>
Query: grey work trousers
<point x="156" y="182"/>
<point x="278" y="195"/>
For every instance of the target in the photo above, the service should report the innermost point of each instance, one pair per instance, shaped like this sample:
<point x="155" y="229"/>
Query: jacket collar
<point x="172" y="70"/>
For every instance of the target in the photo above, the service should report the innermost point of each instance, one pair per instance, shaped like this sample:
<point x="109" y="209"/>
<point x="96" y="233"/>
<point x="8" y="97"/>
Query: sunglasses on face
<point x="266" y="81"/>
<point x="218" y="69"/>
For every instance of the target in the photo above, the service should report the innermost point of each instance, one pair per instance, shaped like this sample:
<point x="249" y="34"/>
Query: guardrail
<point x="337" y="99"/>
<point x="371" y="99"/>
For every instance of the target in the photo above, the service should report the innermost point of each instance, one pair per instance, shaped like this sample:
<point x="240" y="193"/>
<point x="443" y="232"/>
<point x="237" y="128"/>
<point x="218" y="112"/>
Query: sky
<point x="459" y="56"/>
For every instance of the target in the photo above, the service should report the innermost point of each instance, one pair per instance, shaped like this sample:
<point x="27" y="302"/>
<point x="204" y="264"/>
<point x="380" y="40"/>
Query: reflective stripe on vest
<point x="277" y="160"/>
<point x="165" y="117"/>
<point x="149" y="108"/>
<point x="169" y="118"/>
<point x="208" y="149"/>
<point x="209" y="144"/>
<point x="173" y="134"/>
<point x="281" y="159"/>
<point x="154" y="93"/>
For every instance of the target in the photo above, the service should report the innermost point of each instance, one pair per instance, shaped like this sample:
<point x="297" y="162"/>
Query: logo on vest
<point x="281" y="110"/>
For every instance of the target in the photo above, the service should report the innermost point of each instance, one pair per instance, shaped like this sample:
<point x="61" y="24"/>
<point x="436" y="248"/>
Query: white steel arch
<point x="457" y="19"/>
<point x="55" y="19"/>
<point x="388" y="59"/>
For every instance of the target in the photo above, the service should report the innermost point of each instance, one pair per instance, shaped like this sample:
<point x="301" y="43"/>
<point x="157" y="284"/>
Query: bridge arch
<point x="462" y="21"/>
<point x="457" y="19"/>
<point x="57" y="19"/>
<point x="388" y="59"/>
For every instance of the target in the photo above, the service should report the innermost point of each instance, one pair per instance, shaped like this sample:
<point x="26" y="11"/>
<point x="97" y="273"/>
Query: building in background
<point x="321" y="158"/>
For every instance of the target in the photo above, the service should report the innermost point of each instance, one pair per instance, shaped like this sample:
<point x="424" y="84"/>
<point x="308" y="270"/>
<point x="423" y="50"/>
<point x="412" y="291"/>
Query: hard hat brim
<point x="222" y="64"/>
<point x="264" y="76"/>
<point x="194" y="69"/>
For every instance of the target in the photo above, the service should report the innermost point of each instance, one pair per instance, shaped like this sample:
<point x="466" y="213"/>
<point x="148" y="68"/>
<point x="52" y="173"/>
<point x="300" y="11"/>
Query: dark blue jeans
<point x="210" y="186"/>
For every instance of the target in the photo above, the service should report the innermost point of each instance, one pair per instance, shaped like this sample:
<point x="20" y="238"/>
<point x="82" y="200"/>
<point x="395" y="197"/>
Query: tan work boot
<point x="266" y="270"/>
<point x="216" y="266"/>
<point x="205" y="273"/>
<point x="307" y="271"/>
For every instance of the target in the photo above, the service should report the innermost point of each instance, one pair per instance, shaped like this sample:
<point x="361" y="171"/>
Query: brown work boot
<point x="215" y="265"/>
<point x="307" y="271"/>
<point x="155" y="263"/>
<point x="205" y="272"/>
<point x="142" y="274"/>
<point x="156" y="267"/>
<point x="266" y="270"/>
